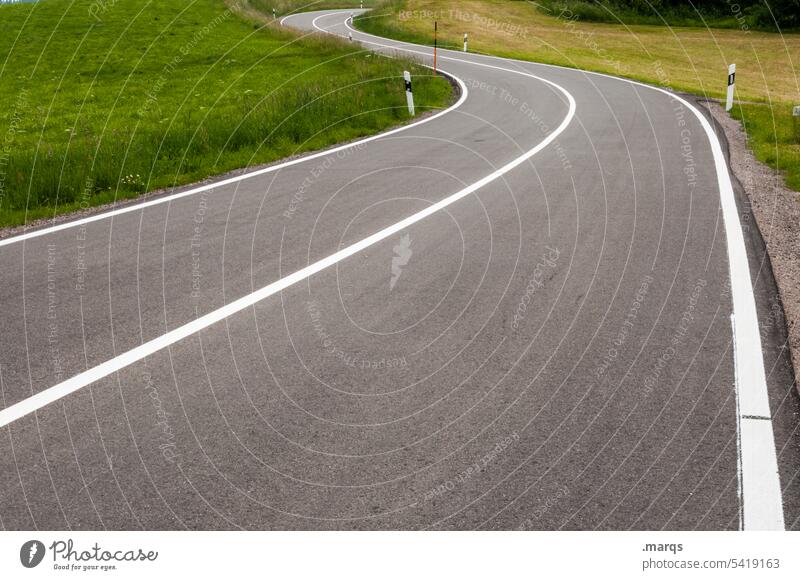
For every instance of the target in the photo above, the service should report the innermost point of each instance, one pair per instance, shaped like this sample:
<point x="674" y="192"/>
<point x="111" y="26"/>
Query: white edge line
<point x="761" y="499"/>
<point x="56" y="392"/>
<point x="762" y="503"/>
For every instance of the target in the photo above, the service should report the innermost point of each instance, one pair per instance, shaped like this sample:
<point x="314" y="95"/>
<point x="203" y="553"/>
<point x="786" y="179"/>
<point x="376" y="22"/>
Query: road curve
<point x="544" y="308"/>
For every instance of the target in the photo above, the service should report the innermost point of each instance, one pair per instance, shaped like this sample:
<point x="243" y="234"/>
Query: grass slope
<point x="98" y="104"/>
<point x="745" y="14"/>
<point x="686" y="59"/>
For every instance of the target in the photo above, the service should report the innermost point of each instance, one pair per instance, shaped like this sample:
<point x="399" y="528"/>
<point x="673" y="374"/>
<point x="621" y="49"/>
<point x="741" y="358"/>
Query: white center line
<point x="56" y="392"/>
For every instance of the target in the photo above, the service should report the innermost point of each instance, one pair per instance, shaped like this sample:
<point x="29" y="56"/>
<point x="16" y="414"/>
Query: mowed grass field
<point x="686" y="59"/>
<point x="102" y="101"/>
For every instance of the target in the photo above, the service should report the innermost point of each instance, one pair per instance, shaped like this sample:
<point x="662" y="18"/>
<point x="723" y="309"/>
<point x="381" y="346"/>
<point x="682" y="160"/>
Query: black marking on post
<point x="408" y="86"/>
<point x="731" y="78"/>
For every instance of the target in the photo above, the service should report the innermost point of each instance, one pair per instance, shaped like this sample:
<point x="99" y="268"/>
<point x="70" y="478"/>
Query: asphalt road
<point x="550" y="349"/>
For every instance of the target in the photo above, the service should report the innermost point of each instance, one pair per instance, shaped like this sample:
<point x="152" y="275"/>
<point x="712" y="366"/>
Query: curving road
<point x="543" y="308"/>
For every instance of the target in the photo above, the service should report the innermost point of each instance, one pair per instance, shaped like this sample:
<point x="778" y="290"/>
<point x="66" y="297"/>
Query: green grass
<point x="745" y="14"/>
<point x="773" y="137"/>
<point x="682" y="15"/>
<point x="693" y="60"/>
<point x="150" y="95"/>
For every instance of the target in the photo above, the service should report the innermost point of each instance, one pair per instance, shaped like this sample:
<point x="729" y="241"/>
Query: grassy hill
<point x="106" y="100"/>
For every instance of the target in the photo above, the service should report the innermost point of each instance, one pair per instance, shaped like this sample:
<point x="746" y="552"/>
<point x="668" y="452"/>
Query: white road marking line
<point x="761" y="500"/>
<point x="271" y="169"/>
<point x="92" y="375"/>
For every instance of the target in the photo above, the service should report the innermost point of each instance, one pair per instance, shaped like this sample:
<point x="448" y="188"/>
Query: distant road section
<point x="535" y="310"/>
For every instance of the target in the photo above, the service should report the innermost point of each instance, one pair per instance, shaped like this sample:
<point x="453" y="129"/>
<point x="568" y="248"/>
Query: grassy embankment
<point x="753" y="14"/>
<point x="104" y="101"/>
<point x="686" y="59"/>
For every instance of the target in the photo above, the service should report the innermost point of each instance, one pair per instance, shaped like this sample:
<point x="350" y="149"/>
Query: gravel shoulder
<point x="776" y="209"/>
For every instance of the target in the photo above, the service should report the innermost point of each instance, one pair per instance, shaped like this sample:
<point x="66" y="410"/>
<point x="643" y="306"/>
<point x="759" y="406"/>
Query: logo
<point x="402" y="255"/>
<point x="31" y="553"/>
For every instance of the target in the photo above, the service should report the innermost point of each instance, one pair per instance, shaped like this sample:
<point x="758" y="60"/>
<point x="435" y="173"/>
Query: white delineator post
<point x="465" y="42"/>
<point x="796" y="122"/>
<point x="409" y="92"/>
<point x="731" y="81"/>
<point x="274" y="14"/>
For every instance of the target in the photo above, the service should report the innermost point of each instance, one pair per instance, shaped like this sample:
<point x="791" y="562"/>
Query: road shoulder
<point x="775" y="210"/>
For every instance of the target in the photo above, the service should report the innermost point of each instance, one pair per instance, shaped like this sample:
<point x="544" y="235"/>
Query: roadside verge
<point x="776" y="210"/>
